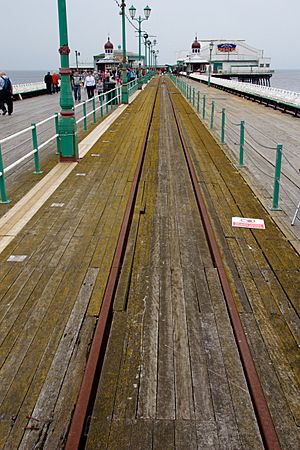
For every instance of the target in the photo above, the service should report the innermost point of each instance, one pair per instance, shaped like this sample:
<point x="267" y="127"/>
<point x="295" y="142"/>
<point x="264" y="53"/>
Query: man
<point x="48" y="82"/>
<point x="76" y="83"/>
<point x="6" y="92"/>
<point x="90" y="84"/>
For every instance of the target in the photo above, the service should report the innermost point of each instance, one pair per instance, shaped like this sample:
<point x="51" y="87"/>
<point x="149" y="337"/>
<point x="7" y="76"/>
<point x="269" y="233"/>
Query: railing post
<point x="193" y="96"/>
<point x="106" y="100"/>
<point x="242" y="142"/>
<point x="198" y="102"/>
<point x="58" y="147"/>
<point x="223" y="127"/>
<point x="2" y="182"/>
<point x="277" y="177"/>
<point x="203" y="106"/>
<point x="212" y="115"/>
<point x="35" y="148"/>
<point x="101" y="107"/>
<point x="94" y="110"/>
<point x="84" y="115"/>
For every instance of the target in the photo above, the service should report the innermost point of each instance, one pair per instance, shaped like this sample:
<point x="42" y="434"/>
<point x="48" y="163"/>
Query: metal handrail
<point x="111" y="97"/>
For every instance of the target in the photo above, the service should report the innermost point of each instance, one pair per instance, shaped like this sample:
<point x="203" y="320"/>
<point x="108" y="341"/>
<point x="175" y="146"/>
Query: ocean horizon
<point x="288" y="79"/>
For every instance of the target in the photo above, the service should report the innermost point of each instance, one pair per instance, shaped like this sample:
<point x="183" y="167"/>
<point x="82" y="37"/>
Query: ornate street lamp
<point x="211" y="46"/>
<point x="124" y="59"/>
<point x="147" y="12"/>
<point x="67" y="129"/>
<point x="145" y="36"/>
<point x="77" y="53"/>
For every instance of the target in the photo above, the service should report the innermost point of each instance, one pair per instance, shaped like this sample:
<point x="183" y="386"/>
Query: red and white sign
<point x="244" y="222"/>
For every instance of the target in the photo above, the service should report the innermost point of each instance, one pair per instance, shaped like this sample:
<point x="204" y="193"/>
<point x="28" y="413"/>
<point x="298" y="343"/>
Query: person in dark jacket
<point x="48" y="82"/>
<point x="6" y="94"/>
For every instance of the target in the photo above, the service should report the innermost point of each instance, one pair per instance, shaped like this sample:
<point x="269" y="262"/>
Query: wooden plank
<point x="164" y="435"/>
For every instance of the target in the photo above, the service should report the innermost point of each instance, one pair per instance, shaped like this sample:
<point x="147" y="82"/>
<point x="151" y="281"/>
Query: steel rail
<point x="264" y="419"/>
<point x="84" y="400"/>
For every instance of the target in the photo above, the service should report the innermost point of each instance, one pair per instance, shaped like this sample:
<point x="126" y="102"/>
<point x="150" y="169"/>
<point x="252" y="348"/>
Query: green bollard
<point x="212" y="115"/>
<point x="36" y="150"/>
<point x="3" y="199"/>
<point x="277" y="177"/>
<point x="198" y="102"/>
<point x="223" y="127"/>
<point x="84" y="115"/>
<point x="94" y="110"/>
<point x="203" y="106"/>
<point x="58" y="147"/>
<point x="242" y="142"/>
<point x="193" y="97"/>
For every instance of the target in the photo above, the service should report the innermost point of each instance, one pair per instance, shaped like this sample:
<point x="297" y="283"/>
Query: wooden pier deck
<point x="172" y="376"/>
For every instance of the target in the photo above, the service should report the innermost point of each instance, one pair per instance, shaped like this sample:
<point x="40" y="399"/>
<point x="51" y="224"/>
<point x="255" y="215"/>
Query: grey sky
<point x="30" y="28"/>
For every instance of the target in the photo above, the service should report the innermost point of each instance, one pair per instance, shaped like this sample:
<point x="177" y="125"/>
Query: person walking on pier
<point x="55" y="83"/>
<point x="6" y="91"/>
<point x="76" y="83"/>
<point x="90" y="84"/>
<point x="48" y="82"/>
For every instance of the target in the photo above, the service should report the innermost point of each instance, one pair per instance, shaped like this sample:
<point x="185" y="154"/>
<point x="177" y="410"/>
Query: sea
<point x="283" y="79"/>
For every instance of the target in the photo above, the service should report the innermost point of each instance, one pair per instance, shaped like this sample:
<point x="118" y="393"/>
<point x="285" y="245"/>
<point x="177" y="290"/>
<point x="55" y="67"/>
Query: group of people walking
<point x="95" y="81"/>
<point x="6" y="94"/>
<point x="52" y="83"/>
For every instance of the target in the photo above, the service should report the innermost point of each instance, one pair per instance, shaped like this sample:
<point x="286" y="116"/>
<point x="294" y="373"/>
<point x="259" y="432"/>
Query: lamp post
<point x="145" y="36"/>
<point x="124" y="59"/>
<point x="147" y="12"/>
<point x="77" y="53"/>
<point x="149" y="44"/>
<point x="67" y="129"/>
<point x="211" y="46"/>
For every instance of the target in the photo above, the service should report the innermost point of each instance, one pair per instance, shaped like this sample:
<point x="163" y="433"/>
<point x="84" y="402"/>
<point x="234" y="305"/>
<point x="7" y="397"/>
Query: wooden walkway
<point x="172" y="377"/>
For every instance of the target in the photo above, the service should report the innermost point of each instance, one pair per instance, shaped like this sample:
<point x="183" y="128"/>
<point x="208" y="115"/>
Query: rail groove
<point x="85" y="399"/>
<point x="264" y="418"/>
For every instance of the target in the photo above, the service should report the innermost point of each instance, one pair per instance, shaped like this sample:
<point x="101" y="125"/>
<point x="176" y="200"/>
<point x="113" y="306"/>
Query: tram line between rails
<point x="78" y="431"/>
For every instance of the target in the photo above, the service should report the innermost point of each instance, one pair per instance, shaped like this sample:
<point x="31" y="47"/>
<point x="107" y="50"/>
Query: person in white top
<point x="90" y="84"/>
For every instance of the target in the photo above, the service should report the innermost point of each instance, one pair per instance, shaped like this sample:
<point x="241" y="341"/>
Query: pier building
<point x="229" y="59"/>
<point x="112" y="58"/>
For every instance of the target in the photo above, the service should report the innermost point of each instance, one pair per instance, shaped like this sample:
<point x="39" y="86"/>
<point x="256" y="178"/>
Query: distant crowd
<point x="93" y="81"/>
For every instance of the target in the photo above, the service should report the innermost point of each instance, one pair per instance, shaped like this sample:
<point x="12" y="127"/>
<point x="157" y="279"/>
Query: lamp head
<point x="211" y="45"/>
<point x="147" y="12"/>
<point x="132" y="11"/>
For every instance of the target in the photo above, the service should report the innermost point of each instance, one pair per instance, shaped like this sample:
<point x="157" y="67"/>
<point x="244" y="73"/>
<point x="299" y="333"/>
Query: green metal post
<point x="3" y="199"/>
<point x="84" y="115"/>
<point x="94" y="110"/>
<point x="124" y="59"/>
<point x="212" y="115"/>
<point x="223" y="127"/>
<point x="36" y="150"/>
<point x="67" y="122"/>
<point x="106" y="102"/>
<point x="58" y="150"/>
<point x="203" y="106"/>
<point x="277" y="177"/>
<point x="242" y="142"/>
<point x="193" y="96"/>
<point x="101" y="107"/>
<point x="198" y="102"/>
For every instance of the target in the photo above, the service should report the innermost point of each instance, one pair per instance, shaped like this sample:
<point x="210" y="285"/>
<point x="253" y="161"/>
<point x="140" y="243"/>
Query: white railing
<point x="263" y="91"/>
<point x="28" y="87"/>
<point x="85" y="112"/>
<point x="246" y="70"/>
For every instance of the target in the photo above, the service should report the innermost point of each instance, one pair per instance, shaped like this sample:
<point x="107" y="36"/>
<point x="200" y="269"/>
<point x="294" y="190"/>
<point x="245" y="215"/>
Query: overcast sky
<point x="29" y="28"/>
